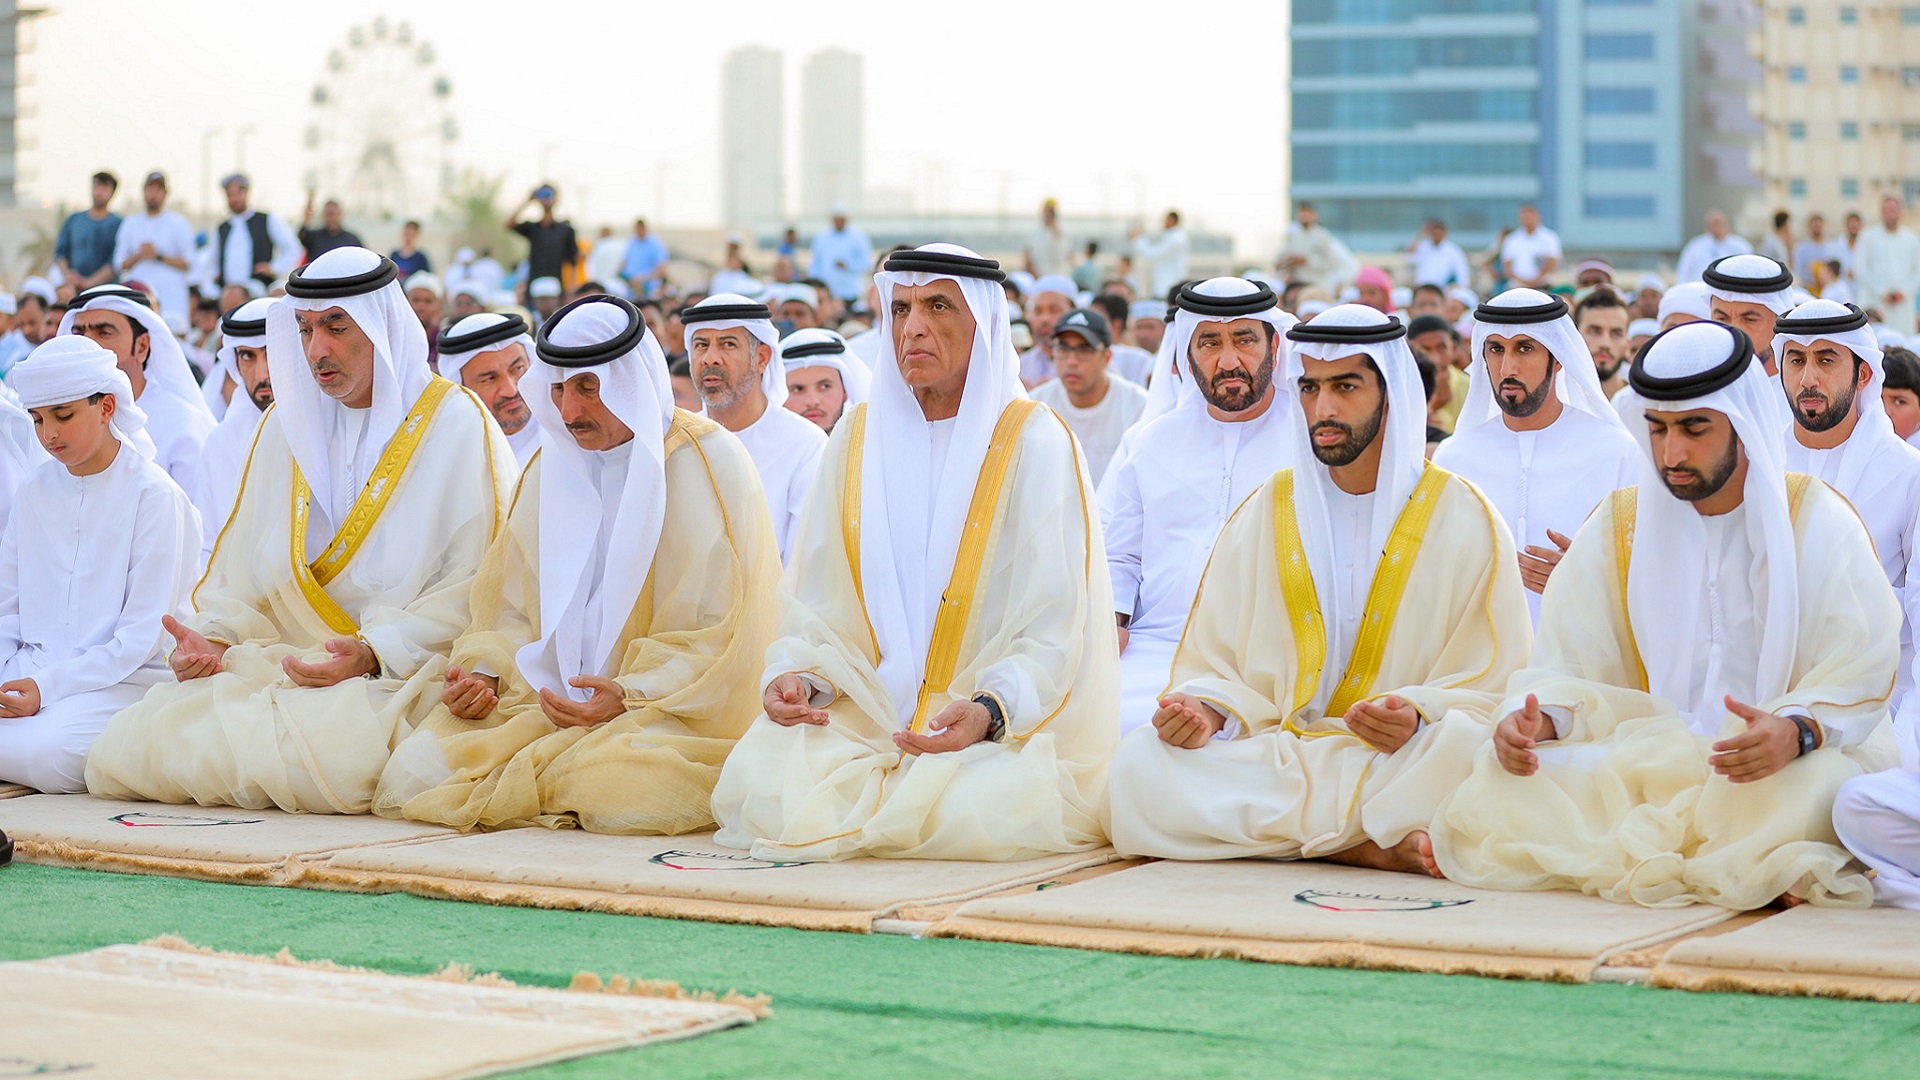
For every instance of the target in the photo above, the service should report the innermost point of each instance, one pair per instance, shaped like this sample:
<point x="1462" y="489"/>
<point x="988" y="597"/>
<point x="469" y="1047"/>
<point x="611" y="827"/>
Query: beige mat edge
<point x="1300" y="953"/>
<point x="60" y="853"/>
<point x="320" y="876"/>
<point x="14" y="791"/>
<point x="1099" y="857"/>
<point x="1704" y="979"/>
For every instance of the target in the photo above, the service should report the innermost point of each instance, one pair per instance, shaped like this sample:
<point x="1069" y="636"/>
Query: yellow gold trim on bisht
<point x="956" y="603"/>
<point x="373" y="498"/>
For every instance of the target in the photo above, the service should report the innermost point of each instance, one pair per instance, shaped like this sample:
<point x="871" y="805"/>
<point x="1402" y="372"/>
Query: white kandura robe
<point x="1100" y="427"/>
<point x="1286" y="778"/>
<point x="1161" y="508"/>
<point x="1546" y="479"/>
<point x="87" y="568"/>
<point x="1878" y="818"/>
<point x="1132" y="363"/>
<point x="247" y="737"/>
<point x="1886" y="492"/>
<point x="223" y="457"/>
<point x="785" y="448"/>
<point x="20" y="452"/>
<point x="1625" y="804"/>
<point x="525" y="443"/>
<point x="178" y="428"/>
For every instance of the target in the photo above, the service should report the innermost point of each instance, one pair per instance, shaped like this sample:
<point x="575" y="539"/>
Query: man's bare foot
<point x="1414" y="855"/>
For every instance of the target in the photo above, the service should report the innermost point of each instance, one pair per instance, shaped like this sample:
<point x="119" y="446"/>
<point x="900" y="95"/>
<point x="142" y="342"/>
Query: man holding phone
<point x="552" y="246"/>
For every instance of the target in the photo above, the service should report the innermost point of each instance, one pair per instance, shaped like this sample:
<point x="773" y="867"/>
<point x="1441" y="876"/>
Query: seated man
<point x="1187" y="470"/>
<point x="489" y="354"/>
<point x="824" y="380"/>
<point x="621" y="619"/>
<point x="103" y="546"/>
<point x="243" y="354"/>
<point x="1357" y="618"/>
<point x="340" y="583"/>
<point x="944" y="685"/>
<point x="1716" y="652"/>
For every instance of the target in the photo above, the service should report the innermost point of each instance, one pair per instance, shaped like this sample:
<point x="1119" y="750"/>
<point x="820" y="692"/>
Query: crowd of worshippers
<point x="1489" y="591"/>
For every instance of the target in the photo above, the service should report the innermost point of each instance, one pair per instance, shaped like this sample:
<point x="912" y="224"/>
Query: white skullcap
<point x="1651" y="281"/>
<point x="805" y="294"/>
<point x="426" y="279"/>
<point x="38" y="286"/>
<point x="8" y="305"/>
<point x="1751" y="279"/>
<point x="73" y="368"/>
<point x="464" y="255"/>
<point x="1055" y="283"/>
<point x="1464" y="295"/>
<point x="473" y="289"/>
<point x="1643" y="328"/>
<point x="1147" y="309"/>
<point x="1309" y="308"/>
<point x="544" y="286"/>
<point x="1022" y="281"/>
<point x="1687" y="298"/>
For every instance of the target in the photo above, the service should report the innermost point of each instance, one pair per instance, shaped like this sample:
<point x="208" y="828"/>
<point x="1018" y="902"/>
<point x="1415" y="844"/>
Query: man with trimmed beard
<point x="1356" y="621"/>
<point x="1712" y="664"/>
<point x="1184" y="472"/>
<point x="1605" y="322"/>
<point x="1536" y="433"/>
<point x="1832" y="368"/>
<point x="243" y="356"/>
<point x="489" y="354"/>
<point x="733" y="352"/>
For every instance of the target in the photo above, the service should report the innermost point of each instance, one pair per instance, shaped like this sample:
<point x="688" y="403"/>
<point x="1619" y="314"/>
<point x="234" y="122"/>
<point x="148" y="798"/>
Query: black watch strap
<point x="1807" y="740"/>
<point x="996" y="720"/>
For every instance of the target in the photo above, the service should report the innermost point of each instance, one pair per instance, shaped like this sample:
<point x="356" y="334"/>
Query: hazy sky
<point x="618" y="102"/>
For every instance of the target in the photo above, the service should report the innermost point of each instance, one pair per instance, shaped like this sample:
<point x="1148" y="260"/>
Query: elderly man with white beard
<point x="944" y="684"/>
<point x="733" y="351"/>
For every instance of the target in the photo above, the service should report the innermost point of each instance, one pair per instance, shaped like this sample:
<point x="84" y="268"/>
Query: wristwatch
<point x="996" y="720"/>
<point x="1807" y="741"/>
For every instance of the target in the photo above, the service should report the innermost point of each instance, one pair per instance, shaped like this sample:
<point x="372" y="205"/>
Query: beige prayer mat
<point x="213" y="843"/>
<point x="684" y="877"/>
<point x="14" y="791"/>
<point x="1827" y="952"/>
<point x="1328" y="915"/>
<point x="160" y="1013"/>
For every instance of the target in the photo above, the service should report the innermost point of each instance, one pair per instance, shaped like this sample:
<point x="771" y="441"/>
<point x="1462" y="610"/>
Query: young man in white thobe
<point x="1185" y="472"/>
<point x="1096" y="403"/>
<point x="1714" y="661"/>
<point x="1356" y="621"/>
<point x="178" y="420"/>
<point x="223" y="457"/>
<point x="103" y="546"/>
<point x="488" y="354"/>
<point x="342" y="580"/>
<point x="824" y="377"/>
<point x="944" y="685"/>
<point x="1537" y="435"/>
<point x="733" y="352"/>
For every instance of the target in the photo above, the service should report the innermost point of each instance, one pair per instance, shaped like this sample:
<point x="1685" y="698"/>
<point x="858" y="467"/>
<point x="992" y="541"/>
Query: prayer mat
<point x="165" y="1010"/>
<point x="207" y="842"/>
<point x="14" y="791"/>
<point x="1871" y="953"/>
<point x="1322" y="914"/>
<point x="682" y="877"/>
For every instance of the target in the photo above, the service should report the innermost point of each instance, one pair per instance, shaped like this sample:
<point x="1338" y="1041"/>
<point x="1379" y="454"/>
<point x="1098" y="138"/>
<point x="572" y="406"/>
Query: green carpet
<point x="852" y="1005"/>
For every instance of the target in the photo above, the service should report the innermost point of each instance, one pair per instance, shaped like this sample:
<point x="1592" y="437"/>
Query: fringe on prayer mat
<point x="1863" y="953"/>
<point x="1325" y="915"/>
<point x="175" y="1011"/>
<point x="679" y="877"/>
<point x="209" y="843"/>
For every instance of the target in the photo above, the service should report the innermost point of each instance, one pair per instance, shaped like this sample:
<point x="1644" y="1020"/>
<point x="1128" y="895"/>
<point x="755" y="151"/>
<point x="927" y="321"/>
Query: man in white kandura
<point x="1537" y="435"/>
<point x="1713" y="663"/>
<point x="327" y="613"/>
<point x="122" y="320"/>
<point x="488" y="354"/>
<point x="944" y="687"/>
<point x="733" y="351"/>
<point x="1832" y="368"/>
<point x="1352" y="631"/>
<point x="102" y="545"/>
<point x="1185" y="472"/>
<point x="620" y="621"/>
<point x="223" y="457"/>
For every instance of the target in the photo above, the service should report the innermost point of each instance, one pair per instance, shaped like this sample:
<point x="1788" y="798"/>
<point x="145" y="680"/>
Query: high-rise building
<point x="752" y="144"/>
<point x="832" y="133"/>
<point x="1841" y="106"/>
<point x="1612" y="116"/>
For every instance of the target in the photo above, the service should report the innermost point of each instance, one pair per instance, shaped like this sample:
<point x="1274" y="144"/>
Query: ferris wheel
<point x="380" y="129"/>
